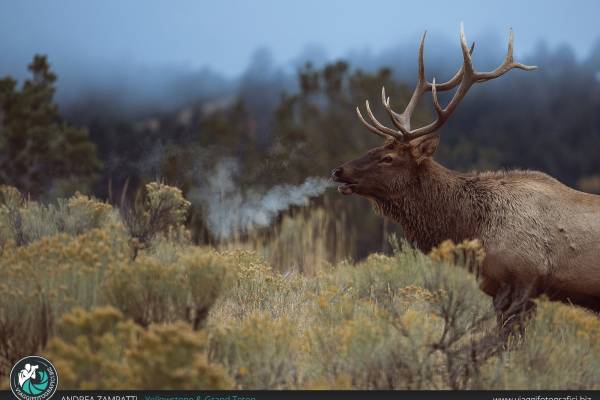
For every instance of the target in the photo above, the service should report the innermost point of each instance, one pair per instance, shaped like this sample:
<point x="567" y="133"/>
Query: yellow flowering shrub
<point x="206" y="275"/>
<point x="24" y="221"/>
<point x="10" y="197"/>
<point x="469" y="254"/>
<point x="259" y="351"/>
<point x="99" y="349"/>
<point x="348" y="348"/>
<point x="90" y="348"/>
<point x="167" y="200"/>
<point x="43" y="280"/>
<point x="256" y="286"/>
<point x="376" y="344"/>
<point x="380" y="277"/>
<point x="10" y="203"/>
<point x="85" y="213"/>
<point x="560" y="350"/>
<point x="162" y="208"/>
<point x="146" y="290"/>
<point x="173" y="357"/>
<point x="150" y="291"/>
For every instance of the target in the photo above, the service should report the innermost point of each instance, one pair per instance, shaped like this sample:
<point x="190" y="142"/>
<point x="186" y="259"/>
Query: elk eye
<point x="386" y="159"/>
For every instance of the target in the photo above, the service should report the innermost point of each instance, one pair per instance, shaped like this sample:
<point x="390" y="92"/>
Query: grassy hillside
<point x="124" y="299"/>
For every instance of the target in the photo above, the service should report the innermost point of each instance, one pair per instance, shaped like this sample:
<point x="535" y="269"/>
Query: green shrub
<point x="25" y="221"/>
<point x="259" y="352"/>
<point x="560" y="350"/>
<point x="255" y="286"/>
<point x="206" y="274"/>
<point x="150" y="291"/>
<point x="387" y="322"/>
<point x="146" y="291"/>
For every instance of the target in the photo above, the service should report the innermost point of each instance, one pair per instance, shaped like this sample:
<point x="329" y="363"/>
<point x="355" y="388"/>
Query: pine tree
<point x="37" y="147"/>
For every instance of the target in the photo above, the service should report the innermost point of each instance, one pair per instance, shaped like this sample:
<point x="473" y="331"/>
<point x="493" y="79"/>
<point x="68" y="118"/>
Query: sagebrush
<point x="77" y="288"/>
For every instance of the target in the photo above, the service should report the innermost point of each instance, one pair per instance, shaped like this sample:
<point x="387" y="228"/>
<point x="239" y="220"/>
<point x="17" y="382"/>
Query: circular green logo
<point x="33" y="378"/>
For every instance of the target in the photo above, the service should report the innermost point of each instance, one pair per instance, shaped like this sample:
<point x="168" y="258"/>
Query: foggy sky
<point x="91" y="39"/>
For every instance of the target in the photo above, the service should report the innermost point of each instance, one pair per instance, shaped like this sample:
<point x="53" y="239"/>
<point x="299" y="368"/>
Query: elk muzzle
<point x="340" y="175"/>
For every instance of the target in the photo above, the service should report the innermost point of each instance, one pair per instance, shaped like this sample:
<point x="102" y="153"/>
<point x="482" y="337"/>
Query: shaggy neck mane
<point x="439" y="204"/>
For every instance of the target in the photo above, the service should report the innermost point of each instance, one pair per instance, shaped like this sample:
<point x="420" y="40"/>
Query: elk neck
<point x="438" y="204"/>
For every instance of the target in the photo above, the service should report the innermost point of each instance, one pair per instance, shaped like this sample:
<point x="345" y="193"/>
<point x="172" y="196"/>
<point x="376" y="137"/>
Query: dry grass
<point x="309" y="241"/>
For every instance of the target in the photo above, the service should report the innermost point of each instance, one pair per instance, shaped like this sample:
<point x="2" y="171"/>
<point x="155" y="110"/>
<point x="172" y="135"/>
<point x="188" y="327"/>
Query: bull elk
<point x="540" y="236"/>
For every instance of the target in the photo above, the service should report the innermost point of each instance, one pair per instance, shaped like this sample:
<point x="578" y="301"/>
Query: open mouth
<point x="346" y="187"/>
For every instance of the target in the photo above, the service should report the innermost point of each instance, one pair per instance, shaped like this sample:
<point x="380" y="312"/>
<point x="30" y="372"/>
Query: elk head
<point x="386" y="170"/>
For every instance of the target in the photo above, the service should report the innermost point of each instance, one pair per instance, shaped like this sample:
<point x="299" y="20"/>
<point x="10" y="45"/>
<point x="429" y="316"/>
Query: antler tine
<point x="398" y="119"/>
<point x="380" y="126"/>
<point x="421" y="62"/>
<point x="402" y="121"/>
<point x="509" y="52"/>
<point x="369" y="126"/>
<point x="507" y="65"/>
<point x="455" y="80"/>
<point x="436" y="103"/>
<point x="467" y="61"/>
<point x="419" y="89"/>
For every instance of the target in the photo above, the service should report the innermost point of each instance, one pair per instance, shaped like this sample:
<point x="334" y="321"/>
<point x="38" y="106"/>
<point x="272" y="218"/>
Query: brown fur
<point x="540" y="236"/>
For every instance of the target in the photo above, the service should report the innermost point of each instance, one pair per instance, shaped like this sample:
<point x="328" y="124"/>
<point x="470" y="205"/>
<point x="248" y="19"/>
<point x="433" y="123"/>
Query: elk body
<point x="540" y="236"/>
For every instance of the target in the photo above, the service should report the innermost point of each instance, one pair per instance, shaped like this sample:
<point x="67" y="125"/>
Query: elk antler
<point x="465" y="77"/>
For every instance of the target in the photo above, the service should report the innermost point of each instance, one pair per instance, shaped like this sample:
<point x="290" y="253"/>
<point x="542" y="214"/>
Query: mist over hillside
<point x="137" y="90"/>
<point x="130" y="95"/>
<point x="284" y="123"/>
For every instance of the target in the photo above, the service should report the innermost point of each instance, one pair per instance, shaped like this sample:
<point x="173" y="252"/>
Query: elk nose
<point x="336" y="172"/>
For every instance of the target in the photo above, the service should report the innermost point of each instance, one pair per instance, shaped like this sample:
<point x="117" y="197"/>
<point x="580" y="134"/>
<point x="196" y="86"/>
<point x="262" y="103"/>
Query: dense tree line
<point x="278" y="132"/>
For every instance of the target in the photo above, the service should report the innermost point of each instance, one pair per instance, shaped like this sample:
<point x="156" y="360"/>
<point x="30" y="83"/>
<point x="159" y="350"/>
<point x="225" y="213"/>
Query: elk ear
<point x="424" y="147"/>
